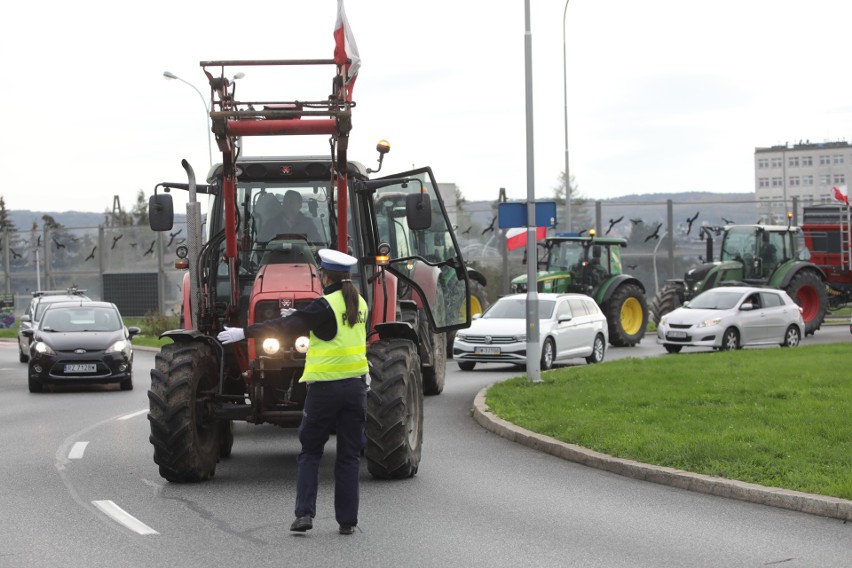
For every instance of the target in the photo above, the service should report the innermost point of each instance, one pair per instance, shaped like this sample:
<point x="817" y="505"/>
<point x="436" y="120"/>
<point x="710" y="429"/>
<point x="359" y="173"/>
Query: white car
<point x="731" y="317"/>
<point x="570" y="326"/>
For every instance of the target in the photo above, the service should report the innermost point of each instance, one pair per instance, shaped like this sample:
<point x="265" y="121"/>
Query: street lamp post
<point x="170" y="75"/>
<point x="565" y="90"/>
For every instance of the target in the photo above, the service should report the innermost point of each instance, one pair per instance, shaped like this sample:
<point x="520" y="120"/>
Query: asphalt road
<point x="75" y="459"/>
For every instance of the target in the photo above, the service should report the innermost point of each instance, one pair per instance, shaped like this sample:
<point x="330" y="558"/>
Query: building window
<point x="762" y="182"/>
<point x="825" y="179"/>
<point x="762" y="163"/>
<point x="807" y="161"/>
<point x="777" y="162"/>
<point x="777" y="182"/>
<point x="794" y="181"/>
<point x="839" y="179"/>
<point x="825" y="160"/>
<point x="808" y="180"/>
<point x="838" y="158"/>
<point x="793" y="162"/>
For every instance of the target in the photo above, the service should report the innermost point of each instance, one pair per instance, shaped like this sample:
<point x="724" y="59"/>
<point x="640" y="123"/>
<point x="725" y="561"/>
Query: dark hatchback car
<point x="82" y="342"/>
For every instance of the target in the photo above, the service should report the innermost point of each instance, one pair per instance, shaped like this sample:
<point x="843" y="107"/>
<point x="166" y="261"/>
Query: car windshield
<point x="517" y="309"/>
<point x="65" y="320"/>
<point x="715" y="300"/>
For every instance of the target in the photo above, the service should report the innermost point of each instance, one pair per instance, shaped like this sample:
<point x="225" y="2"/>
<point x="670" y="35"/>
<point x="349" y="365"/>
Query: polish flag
<point x="346" y="48"/>
<point x="841" y="194"/>
<point x="516" y="237"/>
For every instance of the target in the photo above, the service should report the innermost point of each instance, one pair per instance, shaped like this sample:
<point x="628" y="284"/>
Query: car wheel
<point x="466" y="365"/>
<point x="673" y="348"/>
<point x="598" y="350"/>
<point x="548" y="352"/>
<point x="126" y="384"/>
<point x="22" y="357"/>
<point x="730" y="340"/>
<point x="792" y="337"/>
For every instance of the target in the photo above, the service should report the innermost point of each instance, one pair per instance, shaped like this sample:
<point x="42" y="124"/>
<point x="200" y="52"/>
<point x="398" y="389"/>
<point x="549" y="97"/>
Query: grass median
<point x="775" y="417"/>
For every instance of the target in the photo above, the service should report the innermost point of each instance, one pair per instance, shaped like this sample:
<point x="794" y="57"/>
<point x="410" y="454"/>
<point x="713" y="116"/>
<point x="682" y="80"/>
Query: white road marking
<point x="77" y="450"/>
<point x="121" y="516"/>
<point x="132" y="415"/>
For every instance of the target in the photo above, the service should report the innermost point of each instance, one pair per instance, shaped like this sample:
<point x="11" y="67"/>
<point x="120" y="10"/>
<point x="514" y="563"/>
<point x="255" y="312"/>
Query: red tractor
<point x="828" y="233"/>
<point x="267" y="219"/>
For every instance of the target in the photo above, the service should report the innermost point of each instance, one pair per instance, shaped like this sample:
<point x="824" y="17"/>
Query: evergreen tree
<point x="6" y="223"/>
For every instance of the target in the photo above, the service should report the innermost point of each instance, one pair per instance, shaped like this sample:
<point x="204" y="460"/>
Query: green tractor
<point x="752" y="255"/>
<point x="592" y="266"/>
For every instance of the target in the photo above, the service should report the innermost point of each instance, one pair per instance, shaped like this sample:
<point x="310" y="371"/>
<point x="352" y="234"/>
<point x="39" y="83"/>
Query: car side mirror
<point x="133" y="330"/>
<point x="564" y="319"/>
<point x="476" y="316"/>
<point x="25" y="319"/>
<point x="27" y="333"/>
<point x="747" y="306"/>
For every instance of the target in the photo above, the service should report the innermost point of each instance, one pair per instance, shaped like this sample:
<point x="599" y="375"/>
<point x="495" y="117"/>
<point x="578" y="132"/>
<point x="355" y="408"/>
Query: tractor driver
<point x="336" y="377"/>
<point x="294" y="221"/>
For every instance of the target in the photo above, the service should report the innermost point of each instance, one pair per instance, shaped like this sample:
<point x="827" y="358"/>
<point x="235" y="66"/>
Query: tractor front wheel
<point x="667" y="300"/>
<point x="186" y="446"/>
<point x="394" y="409"/>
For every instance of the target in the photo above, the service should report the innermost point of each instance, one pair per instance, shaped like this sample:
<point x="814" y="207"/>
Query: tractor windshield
<point x="565" y="255"/>
<point x="276" y="211"/>
<point x="739" y="244"/>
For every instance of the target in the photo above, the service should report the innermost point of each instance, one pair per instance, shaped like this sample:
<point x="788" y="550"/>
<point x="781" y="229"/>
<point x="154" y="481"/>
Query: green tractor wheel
<point x="626" y="312"/>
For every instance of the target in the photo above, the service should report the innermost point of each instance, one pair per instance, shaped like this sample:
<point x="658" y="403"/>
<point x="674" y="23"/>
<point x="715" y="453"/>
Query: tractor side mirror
<point x="161" y="213"/>
<point x="418" y="211"/>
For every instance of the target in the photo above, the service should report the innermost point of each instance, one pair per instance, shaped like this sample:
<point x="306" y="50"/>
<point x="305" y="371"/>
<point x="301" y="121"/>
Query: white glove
<point x="231" y="335"/>
<point x="287" y="312"/>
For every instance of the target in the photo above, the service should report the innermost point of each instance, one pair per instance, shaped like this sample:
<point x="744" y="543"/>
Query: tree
<point x="6" y="223"/>
<point x="140" y="209"/>
<point x="582" y="216"/>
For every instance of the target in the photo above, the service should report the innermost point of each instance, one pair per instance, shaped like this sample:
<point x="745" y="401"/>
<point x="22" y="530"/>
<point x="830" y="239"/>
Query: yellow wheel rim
<point x="631" y="316"/>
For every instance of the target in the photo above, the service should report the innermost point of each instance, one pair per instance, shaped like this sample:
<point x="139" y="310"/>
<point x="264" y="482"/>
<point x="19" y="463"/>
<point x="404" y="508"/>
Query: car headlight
<point x="710" y="322"/>
<point x="461" y="336"/>
<point x="663" y="320"/>
<point x="271" y="346"/>
<point x="117" y="347"/>
<point x="302" y="344"/>
<point x="43" y="348"/>
<point x="519" y="338"/>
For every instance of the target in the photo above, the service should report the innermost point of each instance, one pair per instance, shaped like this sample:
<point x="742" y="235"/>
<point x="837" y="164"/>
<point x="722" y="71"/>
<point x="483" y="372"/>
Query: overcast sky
<point x="665" y="95"/>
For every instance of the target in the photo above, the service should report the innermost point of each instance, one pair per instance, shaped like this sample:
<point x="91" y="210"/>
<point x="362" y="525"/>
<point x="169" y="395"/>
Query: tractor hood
<point x="542" y="275"/>
<point x="272" y="278"/>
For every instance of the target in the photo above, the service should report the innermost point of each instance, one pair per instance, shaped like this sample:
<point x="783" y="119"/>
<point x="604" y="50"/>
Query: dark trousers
<point x="340" y="406"/>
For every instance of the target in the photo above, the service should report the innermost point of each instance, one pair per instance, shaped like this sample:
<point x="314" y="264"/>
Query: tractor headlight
<point x="271" y="346"/>
<point x="302" y="344"/>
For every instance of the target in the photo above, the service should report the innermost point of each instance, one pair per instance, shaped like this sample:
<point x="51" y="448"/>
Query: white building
<point x="806" y="171"/>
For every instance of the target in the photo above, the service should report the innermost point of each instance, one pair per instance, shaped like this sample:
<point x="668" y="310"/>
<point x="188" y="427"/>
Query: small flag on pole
<point x="841" y="193"/>
<point x="346" y="48"/>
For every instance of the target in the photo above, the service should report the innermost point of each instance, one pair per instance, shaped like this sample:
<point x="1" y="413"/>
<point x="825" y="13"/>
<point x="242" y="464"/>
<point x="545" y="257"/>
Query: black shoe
<point x="302" y="524"/>
<point x="347" y="529"/>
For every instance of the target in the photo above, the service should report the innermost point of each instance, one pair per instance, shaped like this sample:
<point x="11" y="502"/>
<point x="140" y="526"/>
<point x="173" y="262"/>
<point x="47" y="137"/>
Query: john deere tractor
<point x="592" y="266"/>
<point x="752" y="255"/>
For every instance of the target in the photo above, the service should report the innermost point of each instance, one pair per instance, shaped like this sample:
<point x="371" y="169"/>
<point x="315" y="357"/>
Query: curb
<point x="774" y="497"/>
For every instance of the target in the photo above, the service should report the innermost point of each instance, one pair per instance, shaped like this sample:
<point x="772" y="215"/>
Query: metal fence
<point x="664" y="238"/>
<point x="125" y="264"/>
<point x="130" y="266"/>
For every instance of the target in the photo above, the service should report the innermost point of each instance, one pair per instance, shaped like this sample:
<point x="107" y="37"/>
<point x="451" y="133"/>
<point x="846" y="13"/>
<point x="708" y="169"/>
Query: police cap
<point x="336" y="260"/>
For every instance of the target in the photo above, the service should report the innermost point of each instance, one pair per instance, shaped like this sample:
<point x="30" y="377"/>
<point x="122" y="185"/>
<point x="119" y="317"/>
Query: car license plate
<point x="677" y="334"/>
<point x="81" y="368"/>
<point x="487" y="351"/>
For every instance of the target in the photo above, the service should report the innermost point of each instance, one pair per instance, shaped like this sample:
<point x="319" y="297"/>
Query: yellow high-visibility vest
<point x="345" y="356"/>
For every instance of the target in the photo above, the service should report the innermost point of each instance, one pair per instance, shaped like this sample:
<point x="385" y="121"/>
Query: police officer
<point x="336" y="377"/>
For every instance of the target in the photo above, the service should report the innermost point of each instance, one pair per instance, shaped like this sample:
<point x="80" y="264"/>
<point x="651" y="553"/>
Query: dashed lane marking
<point x="77" y="450"/>
<point x="132" y="415"/>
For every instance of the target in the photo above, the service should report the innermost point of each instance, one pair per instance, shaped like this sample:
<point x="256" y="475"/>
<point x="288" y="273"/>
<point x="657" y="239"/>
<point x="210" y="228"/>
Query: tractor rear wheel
<point x="186" y="445"/>
<point x="434" y="375"/>
<point x="666" y="300"/>
<point x="808" y="290"/>
<point x="394" y="409"/>
<point x="626" y="312"/>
